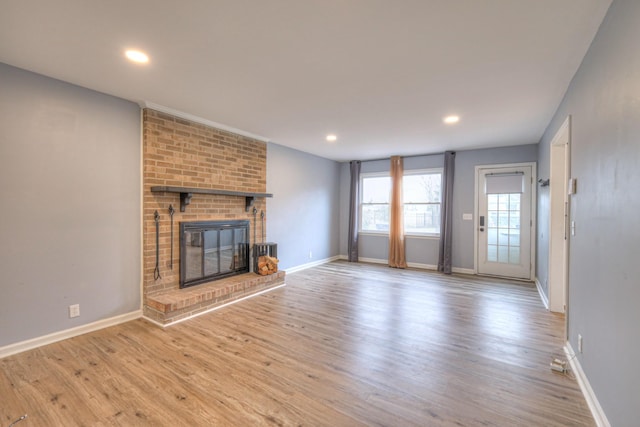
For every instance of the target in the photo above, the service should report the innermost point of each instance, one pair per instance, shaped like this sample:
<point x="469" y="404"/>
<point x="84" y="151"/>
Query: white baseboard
<point x="461" y="270"/>
<point x="422" y="266"/>
<point x="543" y="297"/>
<point x="373" y="260"/>
<point x="312" y="264"/>
<point x="589" y="395"/>
<point x="218" y="307"/>
<point x="67" y="333"/>
<point x="418" y="265"/>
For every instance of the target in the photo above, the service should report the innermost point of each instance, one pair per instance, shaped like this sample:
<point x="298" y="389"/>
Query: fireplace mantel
<point x="187" y="192"/>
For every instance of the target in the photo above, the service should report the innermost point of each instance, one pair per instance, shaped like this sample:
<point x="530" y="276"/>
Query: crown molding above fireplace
<point x="201" y="120"/>
<point x="187" y="192"/>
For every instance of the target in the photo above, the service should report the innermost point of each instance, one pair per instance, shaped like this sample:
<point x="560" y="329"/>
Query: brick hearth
<point x="170" y="306"/>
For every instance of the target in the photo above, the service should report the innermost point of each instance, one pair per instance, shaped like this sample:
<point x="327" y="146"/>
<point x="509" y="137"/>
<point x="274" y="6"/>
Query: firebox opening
<point x="211" y="250"/>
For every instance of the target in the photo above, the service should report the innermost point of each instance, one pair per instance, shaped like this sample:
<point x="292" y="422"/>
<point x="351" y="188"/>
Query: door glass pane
<point x="493" y="219"/>
<point x="492" y="202"/>
<point x="503" y="219"/>
<point x="514" y="238"/>
<point x="503" y="254"/>
<point x="492" y="253"/>
<point x="514" y="255"/>
<point x="503" y="228"/>
<point x="514" y="220"/>
<point x="503" y="236"/>
<point x="492" y="236"/>
<point x="514" y="202"/>
<point x="503" y="202"/>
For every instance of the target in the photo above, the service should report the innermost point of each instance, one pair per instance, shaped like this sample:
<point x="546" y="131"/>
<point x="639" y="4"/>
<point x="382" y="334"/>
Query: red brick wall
<point x="178" y="152"/>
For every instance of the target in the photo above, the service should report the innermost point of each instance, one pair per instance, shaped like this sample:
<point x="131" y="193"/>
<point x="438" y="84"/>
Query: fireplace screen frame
<point x="240" y="250"/>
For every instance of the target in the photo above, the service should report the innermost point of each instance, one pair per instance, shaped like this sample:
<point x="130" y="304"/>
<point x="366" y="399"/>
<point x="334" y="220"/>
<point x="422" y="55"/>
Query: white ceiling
<point x="380" y="74"/>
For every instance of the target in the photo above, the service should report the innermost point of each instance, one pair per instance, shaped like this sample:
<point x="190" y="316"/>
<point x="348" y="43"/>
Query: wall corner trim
<point x="19" y="347"/>
<point x="589" y="395"/>
<point x="543" y="297"/>
<point x="202" y="121"/>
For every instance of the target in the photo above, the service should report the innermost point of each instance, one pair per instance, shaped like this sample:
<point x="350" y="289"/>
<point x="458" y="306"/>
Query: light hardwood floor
<point x="340" y="345"/>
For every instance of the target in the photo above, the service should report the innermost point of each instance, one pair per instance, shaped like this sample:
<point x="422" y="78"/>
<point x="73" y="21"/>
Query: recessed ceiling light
<point x="451" y="120"/>
<point x="137" y="56"/>
<point x="332" y="138"/>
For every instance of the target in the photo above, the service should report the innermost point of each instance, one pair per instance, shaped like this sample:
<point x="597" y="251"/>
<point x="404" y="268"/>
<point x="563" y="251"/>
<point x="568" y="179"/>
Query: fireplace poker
<point x="171" y="212"/>
<point x="262" y="224"/>
<point x="156" y="271"/>
<point x="255" y="220"/>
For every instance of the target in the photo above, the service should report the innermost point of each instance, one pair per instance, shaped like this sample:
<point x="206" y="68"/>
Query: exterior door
<point x="504" y="221"/>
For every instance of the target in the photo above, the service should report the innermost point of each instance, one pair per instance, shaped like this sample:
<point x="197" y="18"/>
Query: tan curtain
<point x="396" y="222"/>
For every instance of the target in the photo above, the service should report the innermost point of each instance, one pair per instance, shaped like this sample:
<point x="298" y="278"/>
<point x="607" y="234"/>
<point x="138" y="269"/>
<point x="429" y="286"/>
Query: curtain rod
<point x="405" y="157"/>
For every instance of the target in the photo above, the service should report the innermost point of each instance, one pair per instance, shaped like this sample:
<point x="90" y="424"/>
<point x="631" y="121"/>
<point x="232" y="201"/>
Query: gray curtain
<point x="354" y="201"/>
<point x="446" y="219"/>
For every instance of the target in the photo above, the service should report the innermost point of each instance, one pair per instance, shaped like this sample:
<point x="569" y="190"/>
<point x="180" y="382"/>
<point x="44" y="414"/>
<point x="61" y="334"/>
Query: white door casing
<point x="505" y="220"/>
<point x="559" y="218"/>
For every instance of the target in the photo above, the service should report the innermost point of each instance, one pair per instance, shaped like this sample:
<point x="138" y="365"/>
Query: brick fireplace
<point x="179" y="153"/>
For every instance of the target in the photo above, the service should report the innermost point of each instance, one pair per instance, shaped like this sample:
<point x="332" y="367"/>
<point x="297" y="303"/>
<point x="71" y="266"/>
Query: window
<point x="422" y="192"/>
<point x="375" y="190"/>
<point x="421" y="195"/>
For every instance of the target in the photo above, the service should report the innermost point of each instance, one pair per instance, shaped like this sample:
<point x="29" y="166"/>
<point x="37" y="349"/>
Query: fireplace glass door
<point x="212" y="250"/>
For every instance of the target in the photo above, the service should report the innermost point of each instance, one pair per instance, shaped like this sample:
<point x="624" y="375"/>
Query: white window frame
<point x="414" y="234"/>
<point x="360" y="203"/>
<point x="430" y="171"/>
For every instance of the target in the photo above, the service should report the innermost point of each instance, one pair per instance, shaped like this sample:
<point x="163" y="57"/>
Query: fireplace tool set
<point x="156" y="271"/>
<point x="171" y="212"/>
<point x="156" y="218"/>
<point x="255" y="213"/>
<point x="255" y="225"/>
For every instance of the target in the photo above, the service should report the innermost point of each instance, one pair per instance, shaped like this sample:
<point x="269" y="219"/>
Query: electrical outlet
<point x="74" y="310"/>
<point x="579" y="343"/>
<point x="310" y="254"/>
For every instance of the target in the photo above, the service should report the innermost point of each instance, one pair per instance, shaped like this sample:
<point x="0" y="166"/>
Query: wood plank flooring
<point x="341" y="345"/>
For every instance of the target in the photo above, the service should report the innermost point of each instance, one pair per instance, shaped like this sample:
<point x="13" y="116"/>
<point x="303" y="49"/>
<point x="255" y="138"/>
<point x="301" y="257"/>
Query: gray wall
<point x="464" y="192"/>
<point x="303" y="215"/>
<point x="604" y="288"/>
<point x="70" y="228"/>
<point x="425" y="250"/>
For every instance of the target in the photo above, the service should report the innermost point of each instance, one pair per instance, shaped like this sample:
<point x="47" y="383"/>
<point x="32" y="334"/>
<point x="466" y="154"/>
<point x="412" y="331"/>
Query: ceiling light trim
<point x="136" y="56"/>
<point x="452" y="119"/>
<point x="202" y="121"/>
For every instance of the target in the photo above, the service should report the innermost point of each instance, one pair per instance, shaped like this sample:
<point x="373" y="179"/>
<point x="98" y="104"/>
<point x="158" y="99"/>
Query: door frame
<point x="534" y="198"/>
<point x="559" y="210"/>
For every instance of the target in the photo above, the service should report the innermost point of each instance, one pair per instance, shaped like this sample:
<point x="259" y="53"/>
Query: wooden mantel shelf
<point x="187" y="192"/>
